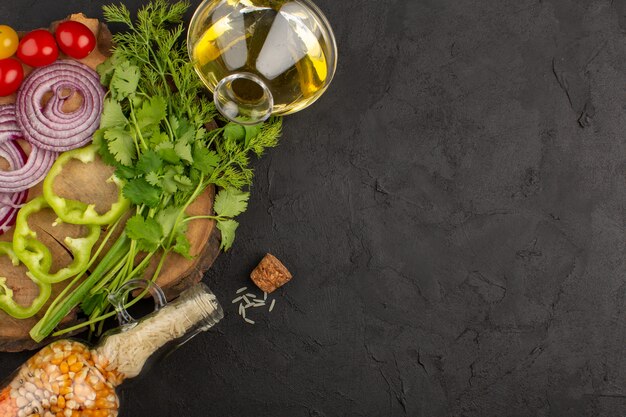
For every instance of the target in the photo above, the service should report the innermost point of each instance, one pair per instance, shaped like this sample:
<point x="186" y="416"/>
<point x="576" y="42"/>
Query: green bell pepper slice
<point x="7" y="303"/>
<point x="77" y="212"/>
<point x="37" y="257"/>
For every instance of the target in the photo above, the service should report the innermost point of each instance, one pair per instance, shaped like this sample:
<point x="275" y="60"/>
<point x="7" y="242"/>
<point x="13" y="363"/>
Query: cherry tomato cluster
<point x="40" y="48"/>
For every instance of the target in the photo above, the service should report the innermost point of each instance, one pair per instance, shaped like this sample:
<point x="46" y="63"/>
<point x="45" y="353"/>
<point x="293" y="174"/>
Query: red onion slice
<point x="8" y="123"/>
<point x="23" y="175"/>
<point x="10" y="203"/>
<point x="50" y="128"/>
<point x="24" y="171"/>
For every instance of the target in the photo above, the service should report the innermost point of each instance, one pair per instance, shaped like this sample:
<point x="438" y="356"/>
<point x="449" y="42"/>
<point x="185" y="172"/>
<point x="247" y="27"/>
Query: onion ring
<point x="24" y="171"/>
<point x="49" y="128"/>
<point x="10" y="203"/>
<point x="8" y="124"/>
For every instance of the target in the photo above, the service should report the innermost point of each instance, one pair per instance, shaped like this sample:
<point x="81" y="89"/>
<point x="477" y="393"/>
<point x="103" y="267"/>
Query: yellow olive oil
<point x="280" y="42"/>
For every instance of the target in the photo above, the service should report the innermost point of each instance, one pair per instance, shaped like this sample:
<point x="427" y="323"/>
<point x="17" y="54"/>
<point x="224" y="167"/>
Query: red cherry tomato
<point x="38" y="48"/>
<point x="75" y="39"/>
<point x="11" y="76"/>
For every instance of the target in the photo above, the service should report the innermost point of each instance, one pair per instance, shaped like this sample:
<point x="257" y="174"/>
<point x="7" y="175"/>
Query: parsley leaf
<point x="152" y="112"/>
<point x="228" y="228"/>
<point x="112" y="115"/>
<point x="125" y="172"/>
<point x="153" y="178"/>
<point x="234" y="132"/>
<point x="167" y="218"/>
<point x="149" y="162"/>
<point x="167" y="152"/>
<point x="251" y="133"/>
<point x="139" y="192"/>
<point x="105" y="70"/>
<point x="205" y="160"/>
<point x="147" y="232"/>
<point x="121" y="145"/>
<point x="183" y="151"/>
<point x="182" y="246"/>
<point x="124" y="80"/>
<point x="231" y="202"/>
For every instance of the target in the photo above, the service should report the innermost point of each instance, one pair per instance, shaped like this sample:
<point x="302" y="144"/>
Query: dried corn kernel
<point x="62" y="380"/>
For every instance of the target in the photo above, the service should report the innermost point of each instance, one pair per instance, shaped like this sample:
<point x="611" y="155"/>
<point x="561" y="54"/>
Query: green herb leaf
<point x="182" y="246"/>
<point x="105" y="70"/>
<point x="167" y="219"/>
<point x="167" y="152"/>
<point x="124" y="80"/>
<point x="205" y="160"/>
<point x="228" y="228"/>
<point x="112" y="115"/>
<point x="121" y="145"/>
<point x="234" y="132"/>
<point x="147" y="232"/>
<point x="230" y="202"/>
<point x="139" y="192"/>
<point x="153" y="179"/>
<point x="251" y="133"/>
<point x="152" y="112"/>
<point x="149" y="162"/>
<point x="125" y="172"/>
<point x="183" y="151"/>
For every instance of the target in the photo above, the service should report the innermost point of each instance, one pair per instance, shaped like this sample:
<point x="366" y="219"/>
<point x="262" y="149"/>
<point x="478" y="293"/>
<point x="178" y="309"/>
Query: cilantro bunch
<point x="157" y="129"/>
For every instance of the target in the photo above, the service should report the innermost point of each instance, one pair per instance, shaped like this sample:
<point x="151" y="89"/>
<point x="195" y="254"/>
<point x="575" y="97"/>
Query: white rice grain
<point x="242" y="289"/>
<point x="272" y="305"/>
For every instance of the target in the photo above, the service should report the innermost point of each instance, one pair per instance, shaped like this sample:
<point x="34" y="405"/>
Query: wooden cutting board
<point x="88" y="183"/>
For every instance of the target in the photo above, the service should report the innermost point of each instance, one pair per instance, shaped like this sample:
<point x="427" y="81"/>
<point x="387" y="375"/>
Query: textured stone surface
<point x="453" y="213"/>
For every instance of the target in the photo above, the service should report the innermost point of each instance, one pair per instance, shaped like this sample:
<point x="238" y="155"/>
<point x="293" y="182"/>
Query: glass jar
<point x="262" y="57"/>
<point x="68" y="378"/>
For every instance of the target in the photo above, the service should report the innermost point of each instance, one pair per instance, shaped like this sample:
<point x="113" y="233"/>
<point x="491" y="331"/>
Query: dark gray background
<point x="455" y="227"/>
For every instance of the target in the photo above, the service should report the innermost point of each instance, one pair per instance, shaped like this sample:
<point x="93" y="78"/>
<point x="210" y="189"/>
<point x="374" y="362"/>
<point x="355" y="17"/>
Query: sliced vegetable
<point x="75" y="39"/>
<point x="37" y="257"/>
<point x="22" y="175"/>
<point x="7" y="303"/>
<point x="10" y="203"/>
<point x="11" y="76"/>
<point x="8" y="123"/>
<point x="77" y="212"/>
<point x="38" y="48"/>
<point x="49" y="127"/>
<point x="8" y="41"/>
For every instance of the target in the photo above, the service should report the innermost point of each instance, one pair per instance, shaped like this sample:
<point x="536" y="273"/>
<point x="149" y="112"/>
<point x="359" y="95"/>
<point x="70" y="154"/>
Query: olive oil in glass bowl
<point x="262" y="57"/>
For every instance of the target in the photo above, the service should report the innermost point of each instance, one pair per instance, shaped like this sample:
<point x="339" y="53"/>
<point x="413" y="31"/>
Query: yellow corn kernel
<point x="103" y="403"/>
<point x="64" y="367"/>
<point x="61" y="402"/>
<point x="76" y="366"/>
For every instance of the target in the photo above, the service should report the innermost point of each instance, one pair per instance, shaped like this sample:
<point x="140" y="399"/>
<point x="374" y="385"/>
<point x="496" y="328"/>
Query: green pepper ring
<point x="77" y="212"/>
<point x="37" y="257"/>
<point x="7" y="303"/>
